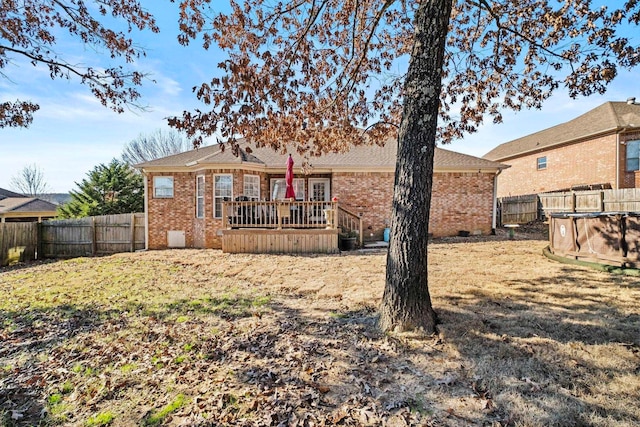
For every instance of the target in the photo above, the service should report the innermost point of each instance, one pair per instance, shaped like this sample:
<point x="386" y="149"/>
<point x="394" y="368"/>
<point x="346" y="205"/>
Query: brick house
<point x="599" y="149"/>
<point x="185" y="193"/>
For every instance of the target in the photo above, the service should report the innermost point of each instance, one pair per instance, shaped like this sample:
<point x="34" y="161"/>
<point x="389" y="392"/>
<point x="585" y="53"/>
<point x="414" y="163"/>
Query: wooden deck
<point x="283" y="241"/>
<point x="292" y="227"/>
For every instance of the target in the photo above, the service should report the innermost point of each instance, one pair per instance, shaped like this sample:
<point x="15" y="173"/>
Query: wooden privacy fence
<point x="623" y="200"/>
<point x="523" y="209"/>
<point x="99" y="235"/>
<point x="18" y="242"/>
<point x="518" y="209"/>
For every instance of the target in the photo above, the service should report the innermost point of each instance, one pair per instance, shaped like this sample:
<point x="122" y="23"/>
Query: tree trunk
<point x="406" y="304"/>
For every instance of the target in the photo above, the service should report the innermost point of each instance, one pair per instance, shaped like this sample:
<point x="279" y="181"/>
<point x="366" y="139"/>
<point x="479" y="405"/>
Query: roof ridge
<point x="612" y="111"/>
<point x="25" y="200"/>
<point x="206" y="157"/>
<point x="608" y="117"/>
<point x="470" y="157"/>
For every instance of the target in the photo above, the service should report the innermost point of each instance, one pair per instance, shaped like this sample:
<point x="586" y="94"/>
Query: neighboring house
<point x="185" y="192"/>
<point x="599" y="149"/>
<point x="6" y="193"/>
<point x="16" y="207"/>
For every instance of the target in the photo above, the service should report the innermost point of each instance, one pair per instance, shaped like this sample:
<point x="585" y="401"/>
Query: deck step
<point x="376" y="245"/>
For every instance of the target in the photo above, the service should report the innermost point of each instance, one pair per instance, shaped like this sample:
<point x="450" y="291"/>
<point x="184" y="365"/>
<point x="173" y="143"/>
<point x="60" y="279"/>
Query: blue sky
<point x="72" y="132"/>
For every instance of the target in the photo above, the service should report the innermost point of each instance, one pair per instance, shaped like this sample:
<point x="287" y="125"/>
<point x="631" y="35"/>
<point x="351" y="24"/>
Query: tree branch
<point x="351" y="82"/>
<point x="496" y="18"/>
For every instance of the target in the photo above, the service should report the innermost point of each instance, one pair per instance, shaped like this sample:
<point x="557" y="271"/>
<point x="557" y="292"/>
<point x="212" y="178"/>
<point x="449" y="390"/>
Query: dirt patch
<point x="198" y="337"/>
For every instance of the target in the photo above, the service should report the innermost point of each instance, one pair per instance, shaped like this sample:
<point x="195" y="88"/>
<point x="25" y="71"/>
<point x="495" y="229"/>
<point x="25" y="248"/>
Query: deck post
<point x="279" y="211"/>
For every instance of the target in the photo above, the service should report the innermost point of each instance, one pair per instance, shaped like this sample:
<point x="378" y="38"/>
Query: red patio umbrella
<point x="288" y="177"/>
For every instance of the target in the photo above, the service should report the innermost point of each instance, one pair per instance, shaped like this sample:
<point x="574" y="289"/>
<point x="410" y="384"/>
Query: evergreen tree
<point x="108" y="189"/>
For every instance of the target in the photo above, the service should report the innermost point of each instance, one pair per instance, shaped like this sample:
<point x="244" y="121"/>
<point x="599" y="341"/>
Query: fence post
<point x="132" y="229"/>
<point x="2" y="245"/>
<point x="39" y="254"/>
<point x="94" y="244"/>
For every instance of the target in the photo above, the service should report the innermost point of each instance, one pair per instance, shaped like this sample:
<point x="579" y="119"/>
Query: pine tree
<point x="108" y="189"/>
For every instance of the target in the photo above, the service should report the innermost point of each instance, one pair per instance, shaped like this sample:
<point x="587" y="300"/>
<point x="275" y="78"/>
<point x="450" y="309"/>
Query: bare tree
<point x="31" y="30"/>
<point x="30" y="181"/>
<point x="314" y="73"/>
<point x="154" y="145"/>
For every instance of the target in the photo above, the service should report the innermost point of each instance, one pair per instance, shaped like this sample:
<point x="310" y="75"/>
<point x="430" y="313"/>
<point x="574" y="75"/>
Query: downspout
<point x="617" y="160"/>
<point x="146" y="211"/>
<point x="495" y="203"/>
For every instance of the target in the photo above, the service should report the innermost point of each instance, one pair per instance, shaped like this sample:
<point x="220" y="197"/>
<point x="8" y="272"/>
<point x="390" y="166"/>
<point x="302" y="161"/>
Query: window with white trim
<point x="251" y="187"/>
<point x="279" y="188"/>
<point x="542" y="163"/>
<point x="222" y="190"/>
<point x="163" y="187"/>
<point x="200" y="196"/>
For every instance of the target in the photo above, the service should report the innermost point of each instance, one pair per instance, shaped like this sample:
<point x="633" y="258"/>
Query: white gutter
<point x="495" y="201"/>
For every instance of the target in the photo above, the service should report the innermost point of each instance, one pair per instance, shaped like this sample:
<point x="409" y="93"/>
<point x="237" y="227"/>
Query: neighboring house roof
<point x="607" y="118"/>
<point x="6" y="193"/>
<point x="357" y="158"/>
<point x="25" y="204"/>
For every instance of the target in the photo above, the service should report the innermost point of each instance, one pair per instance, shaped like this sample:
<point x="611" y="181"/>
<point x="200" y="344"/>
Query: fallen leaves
<point x="190" y="330"/>
<point x="272" y="370"/>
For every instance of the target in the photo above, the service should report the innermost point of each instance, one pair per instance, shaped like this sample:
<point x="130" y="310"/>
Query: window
<point x="542" y="163"/>
<point x="279" y="188"/>
<point x="163" y="186"/>
<point x="222" y="189"/>
<point x="200" y="196"/>
<point x="319" y="189"/>
<point x="252" y="187"/>
<point x="633" y="155"/>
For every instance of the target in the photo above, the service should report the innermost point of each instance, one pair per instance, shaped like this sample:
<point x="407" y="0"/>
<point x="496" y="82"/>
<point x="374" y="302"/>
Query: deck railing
<point x="349" y="221"/>
<point x="280" y="214"/>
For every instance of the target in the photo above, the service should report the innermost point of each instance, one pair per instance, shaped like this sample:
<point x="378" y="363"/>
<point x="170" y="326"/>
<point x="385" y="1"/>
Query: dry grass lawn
<point x="198" y="337"/>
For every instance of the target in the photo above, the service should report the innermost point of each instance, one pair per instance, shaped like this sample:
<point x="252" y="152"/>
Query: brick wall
<point x="176" y="213"/>
<point x="461" y="201"/>
<point x="583" y="163"/>
<point x="369" y="194"/>
<point x="179" y="212"/>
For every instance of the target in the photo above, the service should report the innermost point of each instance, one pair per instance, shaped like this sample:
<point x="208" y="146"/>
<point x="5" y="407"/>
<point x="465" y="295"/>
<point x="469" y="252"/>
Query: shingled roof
<point x="357" y="158"/>
<point x="6" y="193"/>
<point x="607" y="118"/>
<point x="25" y="204"/>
